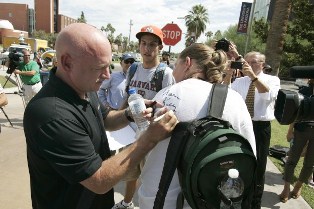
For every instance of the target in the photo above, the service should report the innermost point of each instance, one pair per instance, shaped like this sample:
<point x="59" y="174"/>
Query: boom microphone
<point x="302" y="71"/>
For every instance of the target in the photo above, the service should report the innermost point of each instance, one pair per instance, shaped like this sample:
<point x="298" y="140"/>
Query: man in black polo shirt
<point x="67" y="148"/>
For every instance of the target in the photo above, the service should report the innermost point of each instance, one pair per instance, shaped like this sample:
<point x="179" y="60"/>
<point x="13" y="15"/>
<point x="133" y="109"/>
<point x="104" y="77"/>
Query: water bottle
<point x="137" y="106"/>
<point x="232" y="186"/>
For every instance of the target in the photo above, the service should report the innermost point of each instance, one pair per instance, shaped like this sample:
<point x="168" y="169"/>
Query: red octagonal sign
<point x="172" y="34"/>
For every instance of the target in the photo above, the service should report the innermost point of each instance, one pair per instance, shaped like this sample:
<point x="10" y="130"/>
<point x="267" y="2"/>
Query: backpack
<point x="156" y="79"/>
<point x="203" y="151"/>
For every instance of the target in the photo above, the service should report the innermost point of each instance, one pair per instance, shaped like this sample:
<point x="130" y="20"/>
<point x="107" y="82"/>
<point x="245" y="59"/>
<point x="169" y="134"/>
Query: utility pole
<point x="131" y="23"/>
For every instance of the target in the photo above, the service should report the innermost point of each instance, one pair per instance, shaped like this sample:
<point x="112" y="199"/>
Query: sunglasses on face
<point x="128" y="61"/>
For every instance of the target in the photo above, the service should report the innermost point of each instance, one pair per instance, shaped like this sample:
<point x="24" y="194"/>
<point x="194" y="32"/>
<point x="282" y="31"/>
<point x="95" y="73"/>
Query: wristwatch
<point x="255" y="79"/>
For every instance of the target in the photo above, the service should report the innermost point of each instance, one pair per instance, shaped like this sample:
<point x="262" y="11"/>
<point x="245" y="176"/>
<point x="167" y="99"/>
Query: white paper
<point x="120" y="138"/>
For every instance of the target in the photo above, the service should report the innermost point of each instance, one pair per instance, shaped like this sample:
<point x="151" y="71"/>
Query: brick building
<point x="17" y="14"/>
<point x="45" y="16"/>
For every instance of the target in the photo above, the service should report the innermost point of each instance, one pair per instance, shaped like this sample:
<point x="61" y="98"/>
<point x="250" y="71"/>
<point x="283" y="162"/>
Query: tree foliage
<point x="299" y="42"/>
<point x="299" y="45"/>
<point x="196" y="22"/>
<point x="50" y="37"/>
<point x="82" y="18"/>
<point x="276" y="34"/>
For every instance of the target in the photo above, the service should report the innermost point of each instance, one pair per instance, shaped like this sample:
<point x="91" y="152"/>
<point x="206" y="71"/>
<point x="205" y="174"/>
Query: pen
<point x="153" y="106"/>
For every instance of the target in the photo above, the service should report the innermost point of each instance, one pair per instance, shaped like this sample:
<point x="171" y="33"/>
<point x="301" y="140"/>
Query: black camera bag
<point x="278" y="151"/>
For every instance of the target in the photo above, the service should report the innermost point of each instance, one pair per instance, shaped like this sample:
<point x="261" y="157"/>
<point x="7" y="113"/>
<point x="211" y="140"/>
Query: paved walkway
<point x="14" y="177"/>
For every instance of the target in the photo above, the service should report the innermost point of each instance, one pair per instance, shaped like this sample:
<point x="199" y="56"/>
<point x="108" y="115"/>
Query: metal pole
<point x="169" y="45"/>
<point x="248" y="36"/>
<point x="131" y="23"/>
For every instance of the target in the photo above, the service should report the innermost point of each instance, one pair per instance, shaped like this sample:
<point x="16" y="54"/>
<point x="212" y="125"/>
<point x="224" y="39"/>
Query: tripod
<point x="18" y="83"/>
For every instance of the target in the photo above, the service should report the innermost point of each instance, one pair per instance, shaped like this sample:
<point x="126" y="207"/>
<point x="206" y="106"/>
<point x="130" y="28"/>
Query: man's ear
<point x="66" y="62"/>
<point x="160" y="47"/>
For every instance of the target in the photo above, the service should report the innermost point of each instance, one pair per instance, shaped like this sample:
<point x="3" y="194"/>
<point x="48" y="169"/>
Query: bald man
<point x="67" y="149"/>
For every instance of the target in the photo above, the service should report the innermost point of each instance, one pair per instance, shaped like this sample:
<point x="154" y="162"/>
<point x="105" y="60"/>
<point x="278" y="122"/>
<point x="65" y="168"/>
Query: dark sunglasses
<point x="128" y="61"/>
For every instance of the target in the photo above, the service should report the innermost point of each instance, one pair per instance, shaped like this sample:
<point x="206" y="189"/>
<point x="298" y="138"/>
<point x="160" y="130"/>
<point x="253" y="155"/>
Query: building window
<point x="10" y="14"/>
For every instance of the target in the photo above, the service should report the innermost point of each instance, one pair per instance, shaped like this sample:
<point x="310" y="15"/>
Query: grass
<point x="279" y="137"/>
<point x="3" y="80"/>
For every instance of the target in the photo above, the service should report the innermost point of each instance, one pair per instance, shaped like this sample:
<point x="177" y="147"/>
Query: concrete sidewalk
<point x="14" y="177"/>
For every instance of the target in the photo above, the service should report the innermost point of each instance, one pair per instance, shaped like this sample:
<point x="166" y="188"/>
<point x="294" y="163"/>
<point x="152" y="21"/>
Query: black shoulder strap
<point x="131" y="73"/>
<point x="218" y="95"/>
<point x="178" y="141"/>
<point x="158" y="76"/>
<point x="175" y="148"/>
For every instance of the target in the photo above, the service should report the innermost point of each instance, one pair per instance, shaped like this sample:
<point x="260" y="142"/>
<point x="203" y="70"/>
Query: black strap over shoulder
<point x="173" y="155"/>
<point x="178" y="141"/>
<point x="218" y="96"/>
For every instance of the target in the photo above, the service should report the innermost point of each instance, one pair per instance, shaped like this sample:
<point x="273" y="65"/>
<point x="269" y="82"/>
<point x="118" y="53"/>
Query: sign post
<point x="171" y="34"/>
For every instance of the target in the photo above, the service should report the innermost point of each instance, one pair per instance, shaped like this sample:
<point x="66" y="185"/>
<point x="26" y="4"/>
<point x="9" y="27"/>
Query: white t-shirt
<point x="189" y="100"/>
<point x="142" y="77"/>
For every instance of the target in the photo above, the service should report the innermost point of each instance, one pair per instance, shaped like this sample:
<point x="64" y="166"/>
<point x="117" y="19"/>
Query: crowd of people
<point x="65" y="122"/>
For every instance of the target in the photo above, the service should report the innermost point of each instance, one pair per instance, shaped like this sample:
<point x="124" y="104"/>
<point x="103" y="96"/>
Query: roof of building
<point x="5" y="24"/>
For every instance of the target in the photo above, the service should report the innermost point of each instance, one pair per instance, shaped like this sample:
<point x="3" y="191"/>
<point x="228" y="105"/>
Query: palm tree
<point x="196" y="21"/>
<point x="276" y="34"/>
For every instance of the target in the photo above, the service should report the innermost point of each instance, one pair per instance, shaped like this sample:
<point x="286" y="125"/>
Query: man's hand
<point x="150" y="112"/>
<point x="248" y="71"/>
<point x="233" y="53"/>
<point x="17" y="72"/>
<point x="159" y="130"/>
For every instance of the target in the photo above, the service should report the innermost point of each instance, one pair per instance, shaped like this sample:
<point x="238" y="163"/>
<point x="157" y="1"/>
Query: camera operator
<point x="259" y="91"/>
<point x="301" y="133"/>
<point x="28" y="70"/>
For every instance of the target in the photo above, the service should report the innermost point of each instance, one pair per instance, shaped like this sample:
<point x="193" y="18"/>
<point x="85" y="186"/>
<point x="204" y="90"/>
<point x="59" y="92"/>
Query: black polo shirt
<point x="66" y="144"/>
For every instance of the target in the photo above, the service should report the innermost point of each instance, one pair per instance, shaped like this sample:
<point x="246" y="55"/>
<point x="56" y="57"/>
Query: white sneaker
<point x="121" y="206"/>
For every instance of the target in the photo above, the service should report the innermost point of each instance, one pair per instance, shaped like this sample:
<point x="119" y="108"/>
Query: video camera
<point x="291" y="106"/>
<point x="222" y="44"/>
<point x="15" y="59"/>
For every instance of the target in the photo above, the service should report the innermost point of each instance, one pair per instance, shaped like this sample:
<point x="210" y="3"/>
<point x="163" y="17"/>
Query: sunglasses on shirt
<point x="128" y="61"/>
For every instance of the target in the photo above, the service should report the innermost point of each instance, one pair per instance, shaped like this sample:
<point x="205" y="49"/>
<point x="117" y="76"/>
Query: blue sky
<point x="222" y="14"/>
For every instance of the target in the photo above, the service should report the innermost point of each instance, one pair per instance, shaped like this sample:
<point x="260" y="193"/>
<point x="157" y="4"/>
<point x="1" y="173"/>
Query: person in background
<point x="37" y="59"/>
<point x="302" y="133"/>
<point x="69" y="160"/>
<point x="233" y="56"/>
<point x="165" y="57"/>
<point x="111" y="91"/>
<point x="197" y="68"/>
<point x="261" y="107"/>
<point x="150" y="43"/>
<point x="28" y="70"/>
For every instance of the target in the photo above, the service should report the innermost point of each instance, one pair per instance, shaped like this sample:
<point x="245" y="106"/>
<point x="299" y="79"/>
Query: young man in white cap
<point x="150" y="43"/>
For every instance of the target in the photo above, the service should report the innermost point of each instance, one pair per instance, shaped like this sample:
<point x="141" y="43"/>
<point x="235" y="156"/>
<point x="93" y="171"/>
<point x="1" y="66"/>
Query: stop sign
<point x="171" y="34"/>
